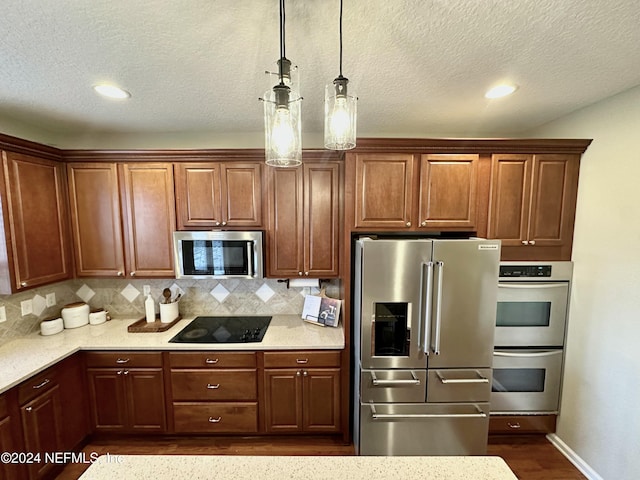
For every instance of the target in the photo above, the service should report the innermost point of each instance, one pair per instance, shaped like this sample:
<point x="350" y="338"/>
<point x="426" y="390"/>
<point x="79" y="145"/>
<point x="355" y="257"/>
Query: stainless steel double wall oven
<point x="531" y="322"/>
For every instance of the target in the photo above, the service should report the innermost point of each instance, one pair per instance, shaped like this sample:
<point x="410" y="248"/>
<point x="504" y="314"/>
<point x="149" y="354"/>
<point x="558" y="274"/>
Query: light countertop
<point x="26" y="356"/>
<point x="195" y="467"/>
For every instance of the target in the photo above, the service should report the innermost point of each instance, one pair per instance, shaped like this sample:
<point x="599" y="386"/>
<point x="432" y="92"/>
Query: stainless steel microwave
<point x="218" y="254"/>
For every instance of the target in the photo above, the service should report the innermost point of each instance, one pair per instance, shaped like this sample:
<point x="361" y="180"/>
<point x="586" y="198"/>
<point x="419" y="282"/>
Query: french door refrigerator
<point x="424" y="319"/>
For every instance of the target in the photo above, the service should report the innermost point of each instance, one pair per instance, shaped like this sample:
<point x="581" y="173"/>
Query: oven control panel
<point x="525" y="270"/>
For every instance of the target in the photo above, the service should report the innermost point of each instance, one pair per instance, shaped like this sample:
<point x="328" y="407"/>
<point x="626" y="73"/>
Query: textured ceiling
<point x="419" y="67"/>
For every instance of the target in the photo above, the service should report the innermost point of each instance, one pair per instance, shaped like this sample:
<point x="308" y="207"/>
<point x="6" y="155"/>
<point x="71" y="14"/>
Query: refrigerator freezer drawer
<point x="385" y="386"/>
<point x="459" y="385"/>
<point x="423" y="429"/>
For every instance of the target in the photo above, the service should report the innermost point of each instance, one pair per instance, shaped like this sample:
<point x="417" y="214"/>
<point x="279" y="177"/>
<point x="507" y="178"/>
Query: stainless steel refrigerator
<point x="424" y="319"/>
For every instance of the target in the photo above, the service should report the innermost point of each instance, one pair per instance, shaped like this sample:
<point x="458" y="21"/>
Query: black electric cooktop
<point x="223" y="330"/>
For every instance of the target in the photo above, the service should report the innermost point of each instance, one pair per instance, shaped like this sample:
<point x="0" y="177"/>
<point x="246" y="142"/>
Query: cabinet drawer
<point x="124" y="359"/>
<point x="522" y="424"/>
<point x="36" y="385"/>
<point x="214" y="385"/>
<point x="216" y="417"/>
<point x="459" y="385"/>
<point x="212" y="360"/>
<point x="302" y="359"/>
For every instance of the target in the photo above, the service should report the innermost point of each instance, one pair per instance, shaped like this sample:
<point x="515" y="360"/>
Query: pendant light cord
<point x="340" y="38"/>
<point x="282" y="41"/>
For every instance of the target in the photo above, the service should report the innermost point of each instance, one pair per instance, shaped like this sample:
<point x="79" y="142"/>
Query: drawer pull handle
<point x="480" y="379"/>
<point x="302" y="361"/>
<point x="513" y="425"/>
<point x="215" y="420"/>
<point x="213" y="387"/>
<point x="390" y="383"/>
<point x="122" y="360"/>
<point x="40" y="385"/>
<point x="211" y="361"/>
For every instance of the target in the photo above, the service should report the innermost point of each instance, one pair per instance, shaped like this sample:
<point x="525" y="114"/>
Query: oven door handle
<point x="390" y="383"/>
<point x="533" y="285"/>
<point x="480" y="379"/>
<point x="527" y="355"/>
<point x="416" y="416"/>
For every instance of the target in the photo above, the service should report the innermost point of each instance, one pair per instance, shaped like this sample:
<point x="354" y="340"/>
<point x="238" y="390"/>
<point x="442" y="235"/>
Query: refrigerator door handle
<point x="412" y="416"/>
<point x="480" y="379"/>
<point x="390" y="383"/>
<point x="436" y="339"/>
<point x="427" y="304"/>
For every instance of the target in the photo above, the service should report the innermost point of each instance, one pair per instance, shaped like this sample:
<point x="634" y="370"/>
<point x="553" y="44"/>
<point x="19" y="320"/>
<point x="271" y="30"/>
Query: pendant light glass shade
<point x="282" y="126"/>
<point x="340" y="114"/>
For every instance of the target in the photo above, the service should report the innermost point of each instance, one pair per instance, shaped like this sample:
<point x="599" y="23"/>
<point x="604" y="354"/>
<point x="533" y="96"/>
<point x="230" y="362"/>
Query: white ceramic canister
<point x="51" y="326"/>
<point x="75" y="315"/>
<point x="98" y="316"/>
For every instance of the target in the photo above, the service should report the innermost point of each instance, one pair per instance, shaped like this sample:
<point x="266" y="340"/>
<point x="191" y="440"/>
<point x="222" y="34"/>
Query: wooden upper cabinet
<point x="304" y="220"/>
<point x="533" y="202"/>
<point x="94" y="199"/>
<point x="214" y="194"/>
<point x="35" y="222"/>
<point x="384" y="190"/>
<point x="448" y="184"/>
<point x="123" y="218"/>
<point x="149" y="213"/>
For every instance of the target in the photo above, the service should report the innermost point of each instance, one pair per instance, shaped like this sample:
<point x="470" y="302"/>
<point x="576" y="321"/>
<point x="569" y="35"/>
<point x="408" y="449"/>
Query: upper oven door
<point x="531" y="314"/>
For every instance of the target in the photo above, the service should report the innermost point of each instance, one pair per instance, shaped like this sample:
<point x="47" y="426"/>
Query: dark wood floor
<point x="530" y="457"/>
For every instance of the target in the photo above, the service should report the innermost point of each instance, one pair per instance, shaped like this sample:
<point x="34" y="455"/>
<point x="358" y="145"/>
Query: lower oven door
<point x="423" y="429"/>
<point x="526" y="381"/>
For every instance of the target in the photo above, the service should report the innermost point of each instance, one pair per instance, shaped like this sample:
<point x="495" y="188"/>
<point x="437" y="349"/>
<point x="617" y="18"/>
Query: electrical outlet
<point x="3" y="314"/>
<point x="27" y="307"/>
<point x="51" y="299"/>
<point x="146" y="290"/>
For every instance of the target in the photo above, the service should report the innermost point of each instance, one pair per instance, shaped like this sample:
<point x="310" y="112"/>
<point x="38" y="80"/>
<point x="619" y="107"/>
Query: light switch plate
<point x="27" y="307"/>
<point x="3" y="314"/>
<point x="51" y="299"/>
<point x="146" y="290"/>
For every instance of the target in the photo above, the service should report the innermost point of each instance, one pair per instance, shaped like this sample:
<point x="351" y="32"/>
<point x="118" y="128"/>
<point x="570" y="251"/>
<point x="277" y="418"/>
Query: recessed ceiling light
<point x="111" y="91"/>
<point x="501" y="91"/>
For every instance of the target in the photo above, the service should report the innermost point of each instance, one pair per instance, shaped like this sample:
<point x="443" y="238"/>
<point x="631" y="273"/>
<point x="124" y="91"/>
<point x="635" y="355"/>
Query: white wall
<point x="600" y="410"/>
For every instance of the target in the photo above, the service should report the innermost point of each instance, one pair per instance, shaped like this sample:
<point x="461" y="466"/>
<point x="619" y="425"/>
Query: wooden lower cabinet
<point x="8" y="443"/>
<point x="214" y="392"/>
<point x="42" y="429"/>
<point x="305" y="398"/>
<point x="126" y="392"/>
<point x="518" y="424"/>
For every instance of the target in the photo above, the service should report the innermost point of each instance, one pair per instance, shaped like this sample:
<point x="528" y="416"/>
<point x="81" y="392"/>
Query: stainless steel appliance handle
<point x="533" y="285"/>
<point x="436" y="340"/>
<point x="534" y="354"/>
<point x="389" y="383"/>
<point x="427" y="287"/>
<point x="480" y="379"/>
<point x="413" y="416"/>
<point x="250" y="258"/>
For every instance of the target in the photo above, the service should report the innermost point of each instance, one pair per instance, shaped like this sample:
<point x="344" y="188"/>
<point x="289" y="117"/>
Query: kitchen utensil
<point x="75" y="315"/>
<point x="166" y="293"/>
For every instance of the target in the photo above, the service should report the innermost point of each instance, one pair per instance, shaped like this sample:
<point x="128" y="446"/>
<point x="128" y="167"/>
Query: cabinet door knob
<point x="532" y="242"/>
<point x="217" y="224"/>
<point x="133" y="274"/>
<point x="23" y="284"/>
<point x="119" y="372"/>
<point x="126" y="372"/>
<point x="424" y="223"/>
<point x="524" y="242"/>
<point x="300" y="274"/>
<point x="408" y="224"/>
<point x="29" y="409"/>
<point x="120" y="274"/>
<point x="306" y="273"/>
<point x="305" y="373"/>
<point x="298" y="373"/>
<point x="224" y="223"/>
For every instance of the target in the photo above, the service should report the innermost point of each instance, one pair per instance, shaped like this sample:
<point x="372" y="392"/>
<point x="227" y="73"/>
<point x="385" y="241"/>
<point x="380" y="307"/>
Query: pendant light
<point x="282" y="120"/>
<point x="339" y="110"/>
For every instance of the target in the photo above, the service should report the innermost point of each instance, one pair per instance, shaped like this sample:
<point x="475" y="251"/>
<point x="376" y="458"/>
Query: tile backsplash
<point x="124" y="298"/>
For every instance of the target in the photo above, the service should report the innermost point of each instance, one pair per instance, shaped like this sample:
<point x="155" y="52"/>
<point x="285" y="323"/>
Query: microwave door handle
<point x="436" y="339"/>
<point x="427" y="288"/>
<point x="527" y="355"/>
<point x="250" y="258"/>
